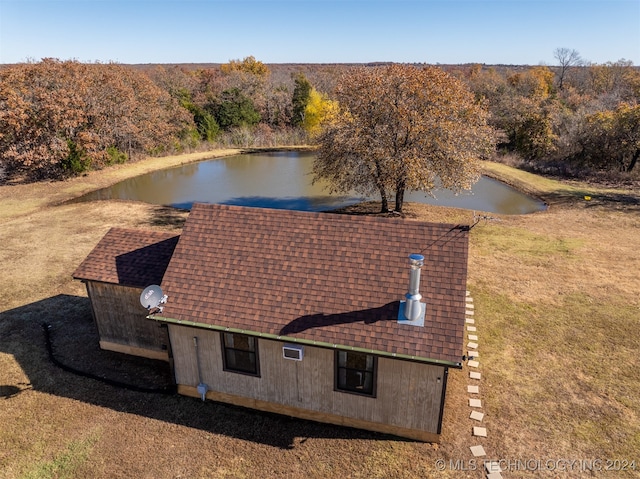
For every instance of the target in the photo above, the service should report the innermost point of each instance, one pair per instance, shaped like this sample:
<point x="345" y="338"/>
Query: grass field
<point x="557" y="306"/>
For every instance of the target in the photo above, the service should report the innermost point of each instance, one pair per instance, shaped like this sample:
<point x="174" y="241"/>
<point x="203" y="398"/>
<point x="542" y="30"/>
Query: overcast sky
<point x="319" y="31"/>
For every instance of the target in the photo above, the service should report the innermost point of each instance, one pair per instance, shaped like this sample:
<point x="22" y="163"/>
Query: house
<point x="305" y="314"/>
<point x="115" y="273"/>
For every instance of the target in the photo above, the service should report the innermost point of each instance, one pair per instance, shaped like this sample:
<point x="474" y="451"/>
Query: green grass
<point x="66" y="464"/>
<point x="524" y="243"/>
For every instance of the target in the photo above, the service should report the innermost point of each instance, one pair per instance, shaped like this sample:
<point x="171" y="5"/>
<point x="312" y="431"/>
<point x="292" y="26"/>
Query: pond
<point x="282" y="180"/>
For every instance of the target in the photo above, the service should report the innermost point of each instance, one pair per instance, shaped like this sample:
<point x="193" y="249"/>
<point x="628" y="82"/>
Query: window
<point x="240" y="353"/>
<point x="356" y="372"/>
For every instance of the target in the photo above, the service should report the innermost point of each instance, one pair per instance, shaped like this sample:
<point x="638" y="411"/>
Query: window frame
<point x="354" y="390"/>
<point x="225" y="348"/>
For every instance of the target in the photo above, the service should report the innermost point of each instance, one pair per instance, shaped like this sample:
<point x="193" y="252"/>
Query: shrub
<point x="115" y="156"/>
<point x="76" y="161"/>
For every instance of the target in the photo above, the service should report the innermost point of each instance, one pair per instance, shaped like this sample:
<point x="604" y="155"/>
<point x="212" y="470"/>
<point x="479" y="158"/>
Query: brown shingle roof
<point x="329" y="278"/>
<point x="129" y="257"/>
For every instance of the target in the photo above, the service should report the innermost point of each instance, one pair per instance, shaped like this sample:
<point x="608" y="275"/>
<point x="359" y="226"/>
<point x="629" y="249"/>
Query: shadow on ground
<point x="75" y="344"/>
<point x="168" y="216"/>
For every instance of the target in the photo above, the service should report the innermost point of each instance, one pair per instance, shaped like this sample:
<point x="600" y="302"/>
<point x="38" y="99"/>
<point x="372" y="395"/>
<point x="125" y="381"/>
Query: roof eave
<point x="320" y="344"/>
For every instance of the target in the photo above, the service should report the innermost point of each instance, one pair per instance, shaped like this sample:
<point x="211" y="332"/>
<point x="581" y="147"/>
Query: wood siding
<point x="408" y="393"/>
<point x="122" y="322"/>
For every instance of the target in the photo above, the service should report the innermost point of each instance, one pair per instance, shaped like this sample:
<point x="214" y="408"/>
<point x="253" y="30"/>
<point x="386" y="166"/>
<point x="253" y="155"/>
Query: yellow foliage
<point x="543" y="77"/>
<point x="536" y="82"/>
<point x="247" y="65"/>
<point x="319" y="110"/>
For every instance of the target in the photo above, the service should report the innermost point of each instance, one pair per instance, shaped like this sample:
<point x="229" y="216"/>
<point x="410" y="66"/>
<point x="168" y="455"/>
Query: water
<point x="283" y="180"/>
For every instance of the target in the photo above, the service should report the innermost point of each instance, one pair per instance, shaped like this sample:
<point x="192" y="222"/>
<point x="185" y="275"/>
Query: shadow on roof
<point x="386" y="312"/>
<point x="75" y="344"/>
<point x="146" y="265"/>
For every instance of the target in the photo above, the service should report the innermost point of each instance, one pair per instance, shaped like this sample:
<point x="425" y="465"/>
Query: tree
<point x="566" y="59"/>
<point x="247" y="65"/>
<point x="277" y="107"/>
<point x="613" y="140"/>
<point x="615" y="80"/>
<point x="403" y="128"/>
<point x="301" y="91"/>
<point x="61" y="118"/>
<point x="319" y="109"/>
<point x="235" y="109"/>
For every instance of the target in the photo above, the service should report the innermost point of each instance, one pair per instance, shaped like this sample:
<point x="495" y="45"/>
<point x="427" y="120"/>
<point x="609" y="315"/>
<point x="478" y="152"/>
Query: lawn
<point x="556" y="306"/>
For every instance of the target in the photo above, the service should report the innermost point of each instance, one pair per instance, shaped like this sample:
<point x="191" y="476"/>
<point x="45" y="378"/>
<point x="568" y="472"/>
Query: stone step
<point x="476" y="415"/>
<point x="479" y="431"/>
<point x="472" y="337"/>
<point x="473" y="389"/>
<point x="477" y="451"/>
<point x="473" y="364"/>
<point x="474" y="375"/>
<point x="471" y="328"/>
<point x="475" y="403"/>
<point x="472" y="345"/>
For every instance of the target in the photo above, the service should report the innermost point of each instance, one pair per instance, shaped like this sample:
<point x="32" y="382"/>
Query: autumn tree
<point x="527" y="111"/>
<point x="403" y="128"/>
<point x="248" y="65"/>
<point x="318" y="111"/>
<point x="619" y="80"/>
<point x="612" y="139"/>
<point x="42" y="118"/>
<point x="191" y="89"/>
<point x="61" y="118"/>
<point x="277" y="106"/>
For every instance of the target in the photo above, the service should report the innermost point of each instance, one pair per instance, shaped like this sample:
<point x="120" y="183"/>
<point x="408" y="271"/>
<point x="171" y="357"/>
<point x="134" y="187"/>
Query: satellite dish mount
<point x="152" y="299"/>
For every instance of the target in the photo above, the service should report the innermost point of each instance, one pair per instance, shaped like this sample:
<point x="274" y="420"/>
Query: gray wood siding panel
<point x="121" y="319"/>
<point x="412" y="391"/>
<point x="408" y="394"/>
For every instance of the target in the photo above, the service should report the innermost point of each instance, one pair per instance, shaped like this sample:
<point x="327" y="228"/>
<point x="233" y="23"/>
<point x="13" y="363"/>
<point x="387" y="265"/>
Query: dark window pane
<point x="241" y="360"/>
<point x="355" y="372"/>
<point x="240" y="353"/>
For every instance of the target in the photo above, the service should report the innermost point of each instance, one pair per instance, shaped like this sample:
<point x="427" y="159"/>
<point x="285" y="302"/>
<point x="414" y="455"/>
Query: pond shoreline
<point x="21" y="199"/>
<point x="278" y="178"/>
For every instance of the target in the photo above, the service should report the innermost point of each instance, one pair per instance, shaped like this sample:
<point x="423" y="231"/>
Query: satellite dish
<point x="152" y="297"/>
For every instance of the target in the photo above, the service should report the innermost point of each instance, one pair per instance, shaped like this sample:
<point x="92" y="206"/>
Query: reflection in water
<point x="283" y="180"/>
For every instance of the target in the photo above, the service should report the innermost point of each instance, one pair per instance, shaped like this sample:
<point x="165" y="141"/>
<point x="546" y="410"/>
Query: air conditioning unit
<point x="292" y="351"/>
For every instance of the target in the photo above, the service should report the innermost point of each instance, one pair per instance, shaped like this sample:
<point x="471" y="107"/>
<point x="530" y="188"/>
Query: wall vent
<point x="293" y="352"/>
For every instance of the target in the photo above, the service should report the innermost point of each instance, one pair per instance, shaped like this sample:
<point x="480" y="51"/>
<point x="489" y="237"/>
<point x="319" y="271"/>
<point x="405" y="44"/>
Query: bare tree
<point x="566" y="59"/>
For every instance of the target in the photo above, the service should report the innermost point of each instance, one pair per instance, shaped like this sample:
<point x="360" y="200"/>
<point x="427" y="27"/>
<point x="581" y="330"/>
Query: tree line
<point x="572" y="119"/>
<point x="61" y="118"/>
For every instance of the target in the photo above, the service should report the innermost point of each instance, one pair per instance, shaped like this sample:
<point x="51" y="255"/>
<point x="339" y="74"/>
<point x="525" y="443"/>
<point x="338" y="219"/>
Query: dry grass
<point x="557" y="312"/>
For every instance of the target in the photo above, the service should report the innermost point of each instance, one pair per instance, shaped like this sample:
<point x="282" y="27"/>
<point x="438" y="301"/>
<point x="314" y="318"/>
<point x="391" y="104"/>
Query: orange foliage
<point x="401" y="127"/>
<point x="58" y="118"/>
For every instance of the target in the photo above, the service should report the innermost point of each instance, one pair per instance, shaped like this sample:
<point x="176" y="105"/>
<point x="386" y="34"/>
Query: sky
<point x="512" y="32"/>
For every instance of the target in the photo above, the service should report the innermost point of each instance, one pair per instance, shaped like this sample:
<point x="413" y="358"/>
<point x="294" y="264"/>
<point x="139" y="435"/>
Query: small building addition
<point x="115" y="273"/>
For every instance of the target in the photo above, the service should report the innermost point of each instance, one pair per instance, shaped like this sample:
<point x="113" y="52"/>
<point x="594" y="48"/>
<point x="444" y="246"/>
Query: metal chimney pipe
<point x="413" y="307"/>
